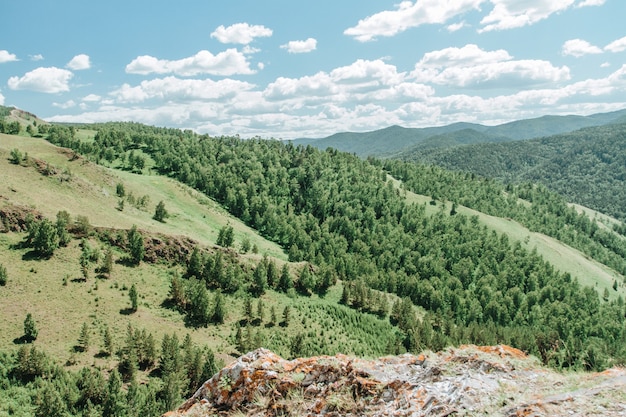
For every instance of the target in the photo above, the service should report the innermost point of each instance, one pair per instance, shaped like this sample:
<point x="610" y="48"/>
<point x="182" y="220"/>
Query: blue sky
<point x="288" y="69"/>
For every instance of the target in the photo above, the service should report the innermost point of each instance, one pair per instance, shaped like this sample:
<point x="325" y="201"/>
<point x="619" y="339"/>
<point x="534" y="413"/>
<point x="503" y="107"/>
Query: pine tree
<point x="132" y="293"/>
<point x="84" y="338"/>
<point x="219" y="310"/>
<point x="135" y="244"/>
<point x="286" y="316"/>
<point x="285" y="282"/>
<point x="272" y="316"/>
<point x="107" y="264"/>
<point x="160" y="214"/>
<point x="30" y="328"/>
<point x="260" y="311"/>
<point x="3" y="276"/>
<point x="108" y="342"/>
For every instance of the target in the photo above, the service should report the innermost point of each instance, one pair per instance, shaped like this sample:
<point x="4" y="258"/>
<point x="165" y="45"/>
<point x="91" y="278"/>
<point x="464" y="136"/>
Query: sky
<point x="292" y="69"/>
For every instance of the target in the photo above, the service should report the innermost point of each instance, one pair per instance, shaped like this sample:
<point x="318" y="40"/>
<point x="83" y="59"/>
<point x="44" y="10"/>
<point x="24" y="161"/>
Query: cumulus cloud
<point x="176" y="89"/>
<point x="241" y="33"/>
<point x="509" y="14"/>
<point x="471" y="66"/>
<point x="79" y="62"/>
<point x="579" y="47"/>
<point x="92" y="98"/>
<point x="43" y="80"/>
<point x="408" y="15"/>
<point x="299" y="47"/>
<point x="67" y="105"/>
<point x="36" y="57"/>
<point x="225" y="63"/>
<point x="5" y="56"/>
<point x="618" y="45"/>
<point x="469" y="54"/>
<point x="1" y="100"/>
<point x="454" y="27"/>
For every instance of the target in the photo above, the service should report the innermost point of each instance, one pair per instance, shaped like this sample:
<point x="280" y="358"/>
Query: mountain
<point x="587" y="166"/>
<point x="395" y="139"/>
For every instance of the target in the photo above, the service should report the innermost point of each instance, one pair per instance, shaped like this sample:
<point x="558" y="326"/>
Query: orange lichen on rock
<point x="469" y="380"/>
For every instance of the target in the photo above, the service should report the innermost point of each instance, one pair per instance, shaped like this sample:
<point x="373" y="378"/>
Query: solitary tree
<point x="133" y="297"/>
<point x="135" y="244"/>
<point x="160" y="213"/>
<point x="84" y="338"/>
<point x="3" y="276"/>
<point x="226" y="236"/>
<point x="30" y="328"/>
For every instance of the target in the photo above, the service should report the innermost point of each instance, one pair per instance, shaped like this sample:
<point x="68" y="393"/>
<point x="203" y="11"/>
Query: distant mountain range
<point x="394" y="140"/>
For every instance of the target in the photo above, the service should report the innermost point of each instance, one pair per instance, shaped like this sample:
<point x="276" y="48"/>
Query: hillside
<point x="393" y="140"/>
<point x="587" y="166"/>
<point x="300" y="251"/>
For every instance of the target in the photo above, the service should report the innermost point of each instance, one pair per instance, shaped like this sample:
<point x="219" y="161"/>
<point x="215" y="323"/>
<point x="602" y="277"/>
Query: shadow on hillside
<point x="127" y="311"/>
<point x="169" y="304"/>
<point x="22" y="340"/>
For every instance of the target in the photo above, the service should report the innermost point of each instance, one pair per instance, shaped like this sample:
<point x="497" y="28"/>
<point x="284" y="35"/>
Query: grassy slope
<point x="561" y="256"/>
<point x="37" y="286"/>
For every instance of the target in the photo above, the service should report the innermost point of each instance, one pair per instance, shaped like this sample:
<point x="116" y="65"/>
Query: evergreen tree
<point x="62" y="224"/>
<point x="259" y="278"/>
<point x="3" y="276"/>
<point x="285" y="282"/>
<point x="107" y="264"/>
<point x="135" y="244"/>
<point x="46" y="239"/>
<point x="132" y="293"/>
<point x="30" y="328"/>
<point x="219" y="309"/>
<point x="84" y="338"/>
<point x="114" y="404"/>
<point x="160" y="213"/>
<point x="286" y="316"/>
<point x="109" y="347"/>
<point x="260" y="311"/>
<point x="226" y="236"/>
<point x="272" y="316"/>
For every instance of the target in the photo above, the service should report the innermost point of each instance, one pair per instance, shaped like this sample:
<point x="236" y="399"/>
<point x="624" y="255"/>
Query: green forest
<point x="587" y="166"/>
<point x="411" y="278"/>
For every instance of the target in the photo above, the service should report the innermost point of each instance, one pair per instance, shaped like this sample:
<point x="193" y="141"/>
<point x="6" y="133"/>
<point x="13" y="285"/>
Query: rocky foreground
<point x="470" y="380"/>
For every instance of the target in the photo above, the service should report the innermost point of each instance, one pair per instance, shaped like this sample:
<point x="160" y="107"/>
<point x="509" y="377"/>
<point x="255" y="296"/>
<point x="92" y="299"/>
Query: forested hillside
<point x="368" y="272"/>
<point x="587" y="166"/>
<point x="341" y="214"/>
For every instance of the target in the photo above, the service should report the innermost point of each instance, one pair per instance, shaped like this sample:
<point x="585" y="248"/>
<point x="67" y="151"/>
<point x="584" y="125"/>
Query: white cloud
<point x="579" y="47"/>
<point x="471" y="66"/>
<point x="509" y="14"/>
<point x="241" y="33"/>
<point x="67" y="105"/>
<point x="176" y="89"/>
<point x="618" y="45"/>
<point x="470" y="54"/>
<point x="5" y="56"/>
<point x="228" y="62"/>
<point x="37" y="57"/>
<point x="409" y="15"/>
<point x="456" y="26"/>
<point x="585" y="3"/>
<point x="43" y="80"/>
<point x="92" y="98"/>
<point x="79" y="62"/>
<point x="1" y="100"/>
<point x="605" y="65"/>
<point x="299" y="47"/>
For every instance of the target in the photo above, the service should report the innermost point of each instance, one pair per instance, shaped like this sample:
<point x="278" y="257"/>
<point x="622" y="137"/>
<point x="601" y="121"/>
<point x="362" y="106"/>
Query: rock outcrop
<point x="470" y="380"/>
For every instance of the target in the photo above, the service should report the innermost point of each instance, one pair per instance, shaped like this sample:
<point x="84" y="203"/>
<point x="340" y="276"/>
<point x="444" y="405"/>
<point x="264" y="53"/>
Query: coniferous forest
<point x="413" y="276"/>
